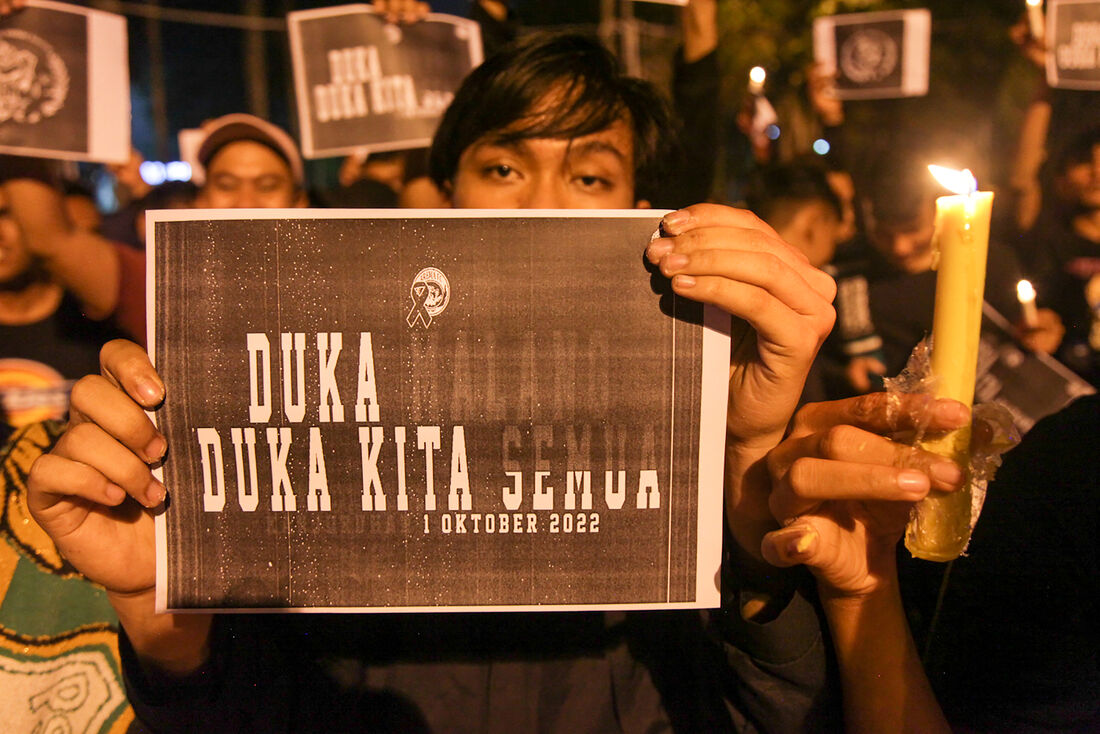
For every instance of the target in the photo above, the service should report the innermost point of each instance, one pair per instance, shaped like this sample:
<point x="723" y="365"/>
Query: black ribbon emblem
<point x="419" y="312"/>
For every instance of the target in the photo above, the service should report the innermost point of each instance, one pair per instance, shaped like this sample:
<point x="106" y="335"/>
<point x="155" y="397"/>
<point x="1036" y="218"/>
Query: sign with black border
<point x="365" y="84"/>
<point x="404" y="410"/>
<point x="64" y="84"/>
<point x="876" y="55"/>
<point x="1073" y="41"/>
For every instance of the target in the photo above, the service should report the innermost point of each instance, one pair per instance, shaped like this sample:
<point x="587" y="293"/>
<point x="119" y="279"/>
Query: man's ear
<point x="642" y="204"/>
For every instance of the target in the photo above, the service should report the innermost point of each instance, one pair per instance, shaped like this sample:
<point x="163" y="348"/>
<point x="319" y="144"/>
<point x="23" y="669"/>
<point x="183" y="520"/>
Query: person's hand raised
<point x="94" y="493"/>
<point x="843" y="489"/>
<point x="402" y="11"/>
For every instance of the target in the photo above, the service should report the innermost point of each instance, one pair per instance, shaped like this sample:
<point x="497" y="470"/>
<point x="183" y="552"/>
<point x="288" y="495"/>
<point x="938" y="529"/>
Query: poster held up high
<point x="398" y="410"/>
<point x="1073" y="40"/>
<point x="55" y="59"/>
<point x="365" y="84"/>
<point x="876" y="55"/>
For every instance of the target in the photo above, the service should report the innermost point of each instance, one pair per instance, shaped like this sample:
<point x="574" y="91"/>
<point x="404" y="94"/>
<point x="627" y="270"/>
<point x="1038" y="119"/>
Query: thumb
<point x="796" y="544"/>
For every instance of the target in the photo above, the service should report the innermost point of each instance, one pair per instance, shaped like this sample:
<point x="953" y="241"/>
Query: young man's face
<point x="905" y="245"/>
<point x="591" y="172"/>
<point x="246" y="174"/>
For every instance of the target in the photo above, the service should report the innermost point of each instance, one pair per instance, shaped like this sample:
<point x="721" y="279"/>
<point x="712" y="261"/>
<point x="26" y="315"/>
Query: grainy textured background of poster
<point x="556" y="352"/>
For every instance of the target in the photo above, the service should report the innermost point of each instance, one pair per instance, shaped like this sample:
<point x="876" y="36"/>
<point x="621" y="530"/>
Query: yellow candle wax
<point x="940" y="527"/>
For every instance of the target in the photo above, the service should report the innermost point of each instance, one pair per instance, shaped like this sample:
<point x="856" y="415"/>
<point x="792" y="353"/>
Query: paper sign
<point x="1030" y="385"/>
<point x="64" y="84"/>
<point x="1073" y="37"/>
<point x="365" y="84"/>
<point x="403" y="410"/>
<point x="875" y="55"/>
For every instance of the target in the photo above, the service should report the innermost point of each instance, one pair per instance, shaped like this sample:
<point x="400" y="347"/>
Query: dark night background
<point x="980" y="82"/>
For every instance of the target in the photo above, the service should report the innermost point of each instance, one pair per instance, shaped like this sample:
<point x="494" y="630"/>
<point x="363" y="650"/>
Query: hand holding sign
<point x="402" y="11"/>
<point x="730" y="258"/>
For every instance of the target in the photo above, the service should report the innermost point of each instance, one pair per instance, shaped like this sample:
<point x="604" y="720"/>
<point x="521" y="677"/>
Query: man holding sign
<point x="552" y="123"/>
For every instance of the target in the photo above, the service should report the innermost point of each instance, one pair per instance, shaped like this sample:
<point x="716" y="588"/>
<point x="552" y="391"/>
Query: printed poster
<point x="365" y="84"/>
<point x="1073" y="37"/>
<point x="1030" y="385"/>
<point x="396" y="410"/>
<point x="55" y="59"/>
<point x="876" y="55"/>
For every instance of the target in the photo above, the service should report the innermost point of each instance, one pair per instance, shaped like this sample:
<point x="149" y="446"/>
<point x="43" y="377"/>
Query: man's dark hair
<point x="775" y="191"/>
<point x="1077" y="151"/>
<point x="503" y="96"/>
<point x="897" y="186"/>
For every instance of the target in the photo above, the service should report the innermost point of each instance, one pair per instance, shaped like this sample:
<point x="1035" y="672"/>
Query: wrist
<point x="174" y="643"/>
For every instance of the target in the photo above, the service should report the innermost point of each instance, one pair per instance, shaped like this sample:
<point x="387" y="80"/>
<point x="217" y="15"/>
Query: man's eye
<point x="501" y="171"/>
<point x="591" y="182"/>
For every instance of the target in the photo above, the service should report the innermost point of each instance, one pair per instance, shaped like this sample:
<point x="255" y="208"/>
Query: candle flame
<point x="1034" y="3"/>
<point x="1025" y="291"/>
<point x="757" y="75"/>
<point x="959" y="182"/>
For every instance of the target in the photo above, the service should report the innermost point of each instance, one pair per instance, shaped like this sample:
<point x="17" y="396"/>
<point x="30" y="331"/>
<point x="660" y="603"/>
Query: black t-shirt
<point x="40" y="361"/>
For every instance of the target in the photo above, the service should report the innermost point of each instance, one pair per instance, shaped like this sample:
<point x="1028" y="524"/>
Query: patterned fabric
<point x="59" y="665"/>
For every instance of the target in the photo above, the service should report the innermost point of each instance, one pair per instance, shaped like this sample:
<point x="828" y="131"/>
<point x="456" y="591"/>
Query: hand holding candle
<point x="940" y="527"/>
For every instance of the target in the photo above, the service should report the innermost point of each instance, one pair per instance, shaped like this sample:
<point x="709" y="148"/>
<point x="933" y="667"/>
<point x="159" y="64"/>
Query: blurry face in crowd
<point x="246" y="174"/>
<point x="1081" y="181"/>
<point x="905" y="245"/>
<point x="590" y="172"/>
<point x="813" y="230"/>
<point x="14" y="257"/>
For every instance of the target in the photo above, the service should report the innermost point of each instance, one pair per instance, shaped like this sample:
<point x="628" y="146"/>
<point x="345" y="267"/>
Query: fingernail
<point x="675" y="261"/>
<point x="683" y="281"/>
<point x="156" y="448"/>
<point x="154" y="493"/>
<point x="913" y="482"/>
<point x="115" y="494"/>
<point x="675" y="222"/>
<point x="953" y="411"/>
<point x="946" y="472"/>
<point x="658" y="249"/>
<point x="149" y="391"/>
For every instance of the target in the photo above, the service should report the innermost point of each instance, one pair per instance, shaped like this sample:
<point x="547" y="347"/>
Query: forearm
<point x="85" y="263"/>
<point x="700" y="24"/>
<point x="173" y="643"/>
<point x="884" y="685"/>
<point x="747" y="484"/>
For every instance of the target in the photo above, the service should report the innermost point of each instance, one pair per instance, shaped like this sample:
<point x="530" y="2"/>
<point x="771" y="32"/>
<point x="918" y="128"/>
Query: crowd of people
<point x="815" y="632"/>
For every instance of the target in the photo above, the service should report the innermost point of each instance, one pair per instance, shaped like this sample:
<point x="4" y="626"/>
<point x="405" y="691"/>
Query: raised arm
<point x="83" y="262"/>
<point x="843" y="492"/>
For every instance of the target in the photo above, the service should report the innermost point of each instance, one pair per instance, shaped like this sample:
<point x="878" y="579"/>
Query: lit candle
<point x="1035" y="19"/>
<point x="757" y="77"/>
<point x="940" y="527"/>
<point x="1026" y="294"/>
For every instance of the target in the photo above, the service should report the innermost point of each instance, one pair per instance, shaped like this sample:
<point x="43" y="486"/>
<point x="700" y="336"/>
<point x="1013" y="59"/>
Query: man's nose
<point x="545" y="193"/>
<point x="246" y="198"/>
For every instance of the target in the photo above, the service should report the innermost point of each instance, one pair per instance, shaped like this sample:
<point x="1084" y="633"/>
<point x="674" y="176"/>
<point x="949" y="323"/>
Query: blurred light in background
<point x="155" y="173"/>
<point x="821" y="146"/>
<point x="772" y="131"/>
